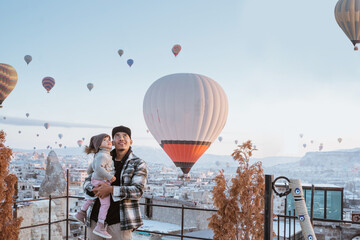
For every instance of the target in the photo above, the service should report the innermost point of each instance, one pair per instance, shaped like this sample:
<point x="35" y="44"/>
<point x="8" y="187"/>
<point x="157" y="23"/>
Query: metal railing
<point x="67" y="220"/>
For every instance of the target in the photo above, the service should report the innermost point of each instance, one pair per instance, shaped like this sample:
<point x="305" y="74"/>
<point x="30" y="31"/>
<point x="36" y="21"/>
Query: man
<point x="131" y="176"/>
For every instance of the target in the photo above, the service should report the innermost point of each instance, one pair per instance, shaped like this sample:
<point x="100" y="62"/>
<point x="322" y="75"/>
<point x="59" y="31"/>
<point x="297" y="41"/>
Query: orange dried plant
<point x="240" y="214"/>
<point x="9" y="226"/>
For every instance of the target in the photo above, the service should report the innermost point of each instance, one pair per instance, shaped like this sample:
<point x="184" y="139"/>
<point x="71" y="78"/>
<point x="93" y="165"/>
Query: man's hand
<point x="102" y="190"/>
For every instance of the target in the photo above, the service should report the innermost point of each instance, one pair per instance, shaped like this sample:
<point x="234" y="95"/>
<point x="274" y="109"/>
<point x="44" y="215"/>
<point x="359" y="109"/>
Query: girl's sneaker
<point x="100" y="230"/>
<point x="81" y="216"/>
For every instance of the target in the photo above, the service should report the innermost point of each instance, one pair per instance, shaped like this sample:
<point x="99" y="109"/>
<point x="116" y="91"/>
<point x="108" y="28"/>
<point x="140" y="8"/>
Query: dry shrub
<point x="240" y="214"/>
<point x="9" y="226"/>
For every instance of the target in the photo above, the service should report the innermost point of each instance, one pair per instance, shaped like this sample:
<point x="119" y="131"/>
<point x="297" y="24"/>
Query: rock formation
<point x="54" y="183"/>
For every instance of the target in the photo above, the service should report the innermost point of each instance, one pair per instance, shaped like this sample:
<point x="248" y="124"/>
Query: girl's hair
<point x="89" y="150"/>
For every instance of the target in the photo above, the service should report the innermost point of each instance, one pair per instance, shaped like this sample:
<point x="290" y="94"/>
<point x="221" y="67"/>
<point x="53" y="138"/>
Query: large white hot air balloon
<point x="185" y="113"/>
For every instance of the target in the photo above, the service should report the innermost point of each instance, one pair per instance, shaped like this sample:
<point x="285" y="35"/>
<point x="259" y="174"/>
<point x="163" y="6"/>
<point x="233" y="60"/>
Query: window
<point x="333" y="202"/>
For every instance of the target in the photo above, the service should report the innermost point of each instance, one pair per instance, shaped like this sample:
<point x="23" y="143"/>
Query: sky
<point x="286" y="67"/>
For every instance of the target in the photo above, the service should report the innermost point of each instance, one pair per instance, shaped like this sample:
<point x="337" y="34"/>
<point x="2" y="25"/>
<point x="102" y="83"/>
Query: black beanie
<point x="121" y="129"/>
<point x="96" y="141"/>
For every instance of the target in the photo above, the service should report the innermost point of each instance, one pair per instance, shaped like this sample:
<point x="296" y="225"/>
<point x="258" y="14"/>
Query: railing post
<point x="49" y="221"/>
<point x="67" y="204"/>
<point x="15" y="197"/>
<point x="312" y="204"/>
<point x="182" y="222"/>
<point x="268" y="221"/>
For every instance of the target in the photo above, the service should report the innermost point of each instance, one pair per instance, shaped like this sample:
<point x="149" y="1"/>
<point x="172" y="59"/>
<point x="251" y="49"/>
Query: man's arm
<point x="135" y="190"/>
<point x="87" y="186"/>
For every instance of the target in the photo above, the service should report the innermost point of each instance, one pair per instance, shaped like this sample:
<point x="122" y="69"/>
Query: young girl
<point x="102" y="170"/>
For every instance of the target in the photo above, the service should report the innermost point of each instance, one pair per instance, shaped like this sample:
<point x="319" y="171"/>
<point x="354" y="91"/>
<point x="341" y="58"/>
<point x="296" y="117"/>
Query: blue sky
<point x="286" y="67"/>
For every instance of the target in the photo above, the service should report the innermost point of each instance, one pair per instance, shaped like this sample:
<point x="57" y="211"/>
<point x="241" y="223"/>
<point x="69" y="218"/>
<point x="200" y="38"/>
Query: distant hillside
<point x="341" y="158"/>
<point x="157" y="155"/>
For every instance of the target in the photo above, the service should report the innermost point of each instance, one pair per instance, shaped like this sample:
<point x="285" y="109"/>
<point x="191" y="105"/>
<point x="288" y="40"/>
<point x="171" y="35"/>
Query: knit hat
<point x="96" y="141"/>
<point x="121" y="129"/>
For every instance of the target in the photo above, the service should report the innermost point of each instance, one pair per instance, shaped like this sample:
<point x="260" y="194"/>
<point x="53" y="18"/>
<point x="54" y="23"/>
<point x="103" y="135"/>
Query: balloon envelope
<point x="46" y="125"/>
<point x="220" y="139"/>
<point x="121" y="52"/>
<point x="8" y="80"/>
<point x="304" y="145"/>
<point x="90" y="86"/>
<point x="27" y="59"/>
<point x="339" y="140"/>
<point x="80" y="142"/>
<point x="236" y="142"/>
<point x="301" y="135"/>
<point x="130" y="62"/>
<point x="27" y="114"/>
<point x="60" y="135"/>
<point x="185" y="113"/>
<point x="176" y="49"/>
<point x="347" y="15"/>
<point x="48" y="83"/>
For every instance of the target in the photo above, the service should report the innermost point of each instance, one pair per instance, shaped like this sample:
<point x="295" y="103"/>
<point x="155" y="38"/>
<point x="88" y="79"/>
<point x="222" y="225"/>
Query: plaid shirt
<point x="133" y="179"/>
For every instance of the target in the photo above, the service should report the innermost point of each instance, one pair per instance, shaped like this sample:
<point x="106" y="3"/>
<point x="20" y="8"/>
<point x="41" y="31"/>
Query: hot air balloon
<point x="60" y="145"/>
<point x="60" y="135"/>
<point x="83" y="139"/>
<point x="301" y="135"/>
<point x="147" y="130"/>
<point x="254" y="146"/>
<point x="347" y="15"/>
<point x="236" y="142"/>
<point x="4" y="118"/>
<point x="80" y="142"/>
<point x="121" y="52"/>
<point x="27" y="59"/>
<point x="304" y="145"/>
<point x="27" y="114"/>
<point x="130" y="62"/>
<point x="90" y="86"/>
<point x="188" y="118"/>
<point x="217" y="163"/>
<point x="46" y="125"/>
<point x="312" y="141"/>
<point x="176" y="49"/>
<point x="19" y="132"/>
<point x="48" y="147"/>
<point x="339" y="140"/>
<point x="37" y="135"/>
<point x="55" y="142"/>
<point x="321" y="147"/>
<point x="64" y="146"/>
<point x="220" y="138"/>
<point x="8" y="80"/>
<point x="48" y="83"/>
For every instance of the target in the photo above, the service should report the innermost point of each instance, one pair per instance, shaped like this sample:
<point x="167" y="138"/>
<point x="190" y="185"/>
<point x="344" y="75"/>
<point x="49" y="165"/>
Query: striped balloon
<point x="48" y="83"/>
<point x="347" y="15"/>
<point x="185" y="113"/>
<point x="8" y="80"/>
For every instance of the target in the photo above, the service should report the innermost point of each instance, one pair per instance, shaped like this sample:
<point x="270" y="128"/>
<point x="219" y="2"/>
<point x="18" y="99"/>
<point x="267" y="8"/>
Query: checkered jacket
<point x="133" y="179"/>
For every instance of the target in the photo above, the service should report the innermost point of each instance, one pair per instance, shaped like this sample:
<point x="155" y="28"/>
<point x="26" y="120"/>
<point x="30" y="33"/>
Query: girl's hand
<point x="113" y="179"/>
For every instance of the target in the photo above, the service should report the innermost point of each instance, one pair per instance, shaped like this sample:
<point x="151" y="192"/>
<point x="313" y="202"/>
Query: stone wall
<point x="336" y="231"/>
